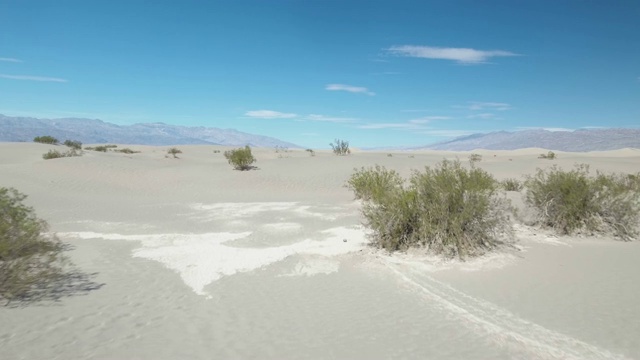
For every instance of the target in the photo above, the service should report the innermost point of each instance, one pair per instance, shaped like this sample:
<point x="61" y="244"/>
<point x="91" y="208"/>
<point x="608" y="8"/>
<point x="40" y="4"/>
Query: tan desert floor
<point x="188" y="259"/>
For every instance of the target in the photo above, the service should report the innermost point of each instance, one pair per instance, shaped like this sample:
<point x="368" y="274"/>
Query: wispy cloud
<point x="481" y="116"/>
<point x="10" y="60"/>
<point x="349" y="88"/>
<point x="317" y="117"/>
<point x="427" y="119"/>
<point x="459" y="55"/>
<point x="477" y="105"/>
<point x="389" y="126"/>
<point x="32" y="78"/>
<point x="269" y="114"/>
<point x="553" y="129"/>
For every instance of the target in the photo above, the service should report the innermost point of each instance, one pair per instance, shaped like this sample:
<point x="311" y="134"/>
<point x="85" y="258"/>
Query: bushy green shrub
<point x="550" y="156"/>
<point x="28" y="257"/>
<point x="570" y="201"/>
<point x="474" y="158"/>
<point x="241" y="158"/>
<point x="126" y="151"/>
<point x="450" y="210"/>
<point x="46" y="140"/>
<point x="76" y="145"/>
<point x="373" y="184"/>
<point x="54" y="154"/>
<point x="174" y="151"/>
<point x="340" y="147"/>
<point x="511" y="184"/>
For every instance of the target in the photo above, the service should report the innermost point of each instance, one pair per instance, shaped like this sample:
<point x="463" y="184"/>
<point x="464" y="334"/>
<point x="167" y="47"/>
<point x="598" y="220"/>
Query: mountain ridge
<point x="96" y="131"/>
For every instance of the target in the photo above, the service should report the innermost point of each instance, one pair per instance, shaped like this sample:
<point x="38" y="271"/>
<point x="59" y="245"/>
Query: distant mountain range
<point x="577" y="141"/>
<point x="91" y="131"/>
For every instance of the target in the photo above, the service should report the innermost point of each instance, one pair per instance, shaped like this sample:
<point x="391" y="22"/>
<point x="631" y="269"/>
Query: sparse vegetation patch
<point x="126" y="151"/>
<point x="511" y="184"/>
<point x="174" y="151"/>
<point x="76" y="145"/>
<point x="550" y="156"/>
<point x="474" y="158"/>
<point x="54" y="154"/>
<point x="449" y="210"/>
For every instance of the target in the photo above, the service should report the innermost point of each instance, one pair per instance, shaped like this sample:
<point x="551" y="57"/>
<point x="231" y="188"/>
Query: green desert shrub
<point x="511" y="184"/>
<point x="241" y="158"/>
<point x="46" y="140"/>
<point x="76" y="145"/>
<point x="174" y="151"/>
<point x="341" y="147"/>
<point x="29" y="258"/>
<point x="311" y="152"/>
<point x="449" y="210"/>
<point x="126" y="151"/>
<point x="54" y="154"/>
<point x="572" y="201"/>
<point x="474" y="158"/>
<point x="550" y="156"/>
<point x="373" y="184"/>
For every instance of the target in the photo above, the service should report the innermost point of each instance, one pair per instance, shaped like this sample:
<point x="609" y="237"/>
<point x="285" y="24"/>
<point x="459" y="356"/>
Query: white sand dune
<point x="201" y="261"/>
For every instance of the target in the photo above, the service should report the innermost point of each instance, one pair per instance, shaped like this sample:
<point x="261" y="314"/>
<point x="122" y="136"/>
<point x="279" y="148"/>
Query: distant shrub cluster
<point x="28" y="257"/>
<point x="76" y="145"/>
<point x="449" y="210"/>
<point x="550" y="156"/>
<point x="174" y="151"/>
<point x="54" y="154"/>
<point x="311" y="152"/>
<point x="126" y="151"/>
<point x="241" y="158"/>
<point x="341" y="147"/>
<point x="46" y="140"/>
<point x="569" y="201"/>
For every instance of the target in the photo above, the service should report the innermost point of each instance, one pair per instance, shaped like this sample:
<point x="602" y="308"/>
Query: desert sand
<point x="189" y="259"/>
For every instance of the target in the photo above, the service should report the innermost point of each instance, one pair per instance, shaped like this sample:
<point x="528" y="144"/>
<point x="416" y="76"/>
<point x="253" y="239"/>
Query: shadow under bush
<point x="449" y="210"/>
<point x="572" y="201"/>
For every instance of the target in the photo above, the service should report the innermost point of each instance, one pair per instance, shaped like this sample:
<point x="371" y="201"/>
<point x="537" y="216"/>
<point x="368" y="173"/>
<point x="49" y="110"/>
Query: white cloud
<point x="460" y="55"/>
<point x="481" y="116"/>
<point x="349" y="88"/>
<point x="11" y="60"/>
<point x="389" y="126"/>
<point x="553" y="129"/>
<point x="269" y="114"/>
<point x="317" y="117"/>
<point x="478" y="105"/>
<point x="32" y="78"/>
<point x="427" y="119"/>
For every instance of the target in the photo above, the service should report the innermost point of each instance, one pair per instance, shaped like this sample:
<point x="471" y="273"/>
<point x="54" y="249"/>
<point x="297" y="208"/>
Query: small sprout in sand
<point x="389" y="155"/>
<point x="174" y="151"/>
<point x="216" y="151"/>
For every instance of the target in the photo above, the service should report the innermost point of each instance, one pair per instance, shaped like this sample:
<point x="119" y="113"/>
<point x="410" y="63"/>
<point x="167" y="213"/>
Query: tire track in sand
<point x="502" y="327"/>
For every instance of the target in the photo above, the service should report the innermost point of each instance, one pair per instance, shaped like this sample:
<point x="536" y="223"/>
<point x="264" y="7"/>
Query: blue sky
<point x="376" y="73"/>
